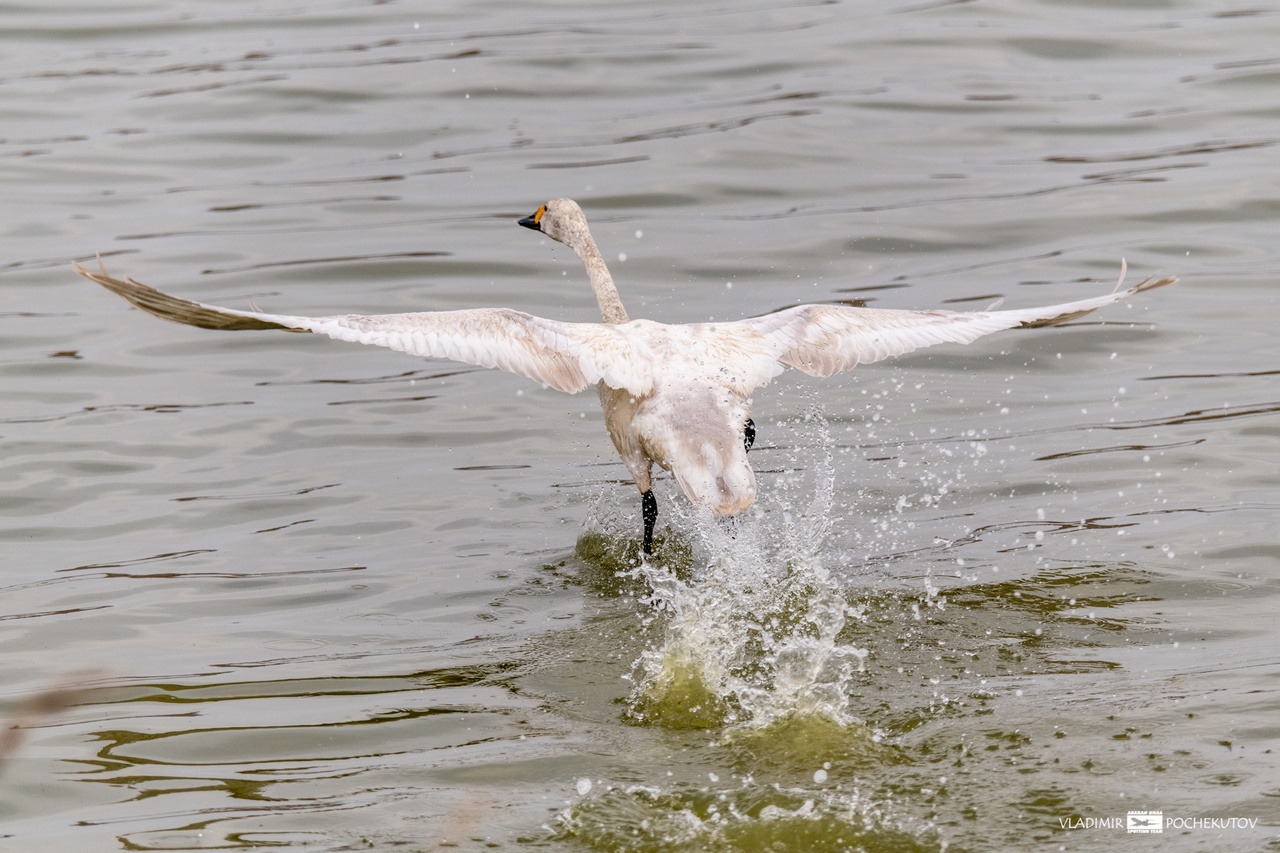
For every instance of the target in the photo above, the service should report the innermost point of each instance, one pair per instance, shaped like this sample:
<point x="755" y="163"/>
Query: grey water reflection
<point x="262" y="590"/>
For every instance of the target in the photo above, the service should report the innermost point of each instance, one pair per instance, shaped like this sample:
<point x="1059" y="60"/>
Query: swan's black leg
<point x="749" y="433"/>
<point x="649" y="509"/>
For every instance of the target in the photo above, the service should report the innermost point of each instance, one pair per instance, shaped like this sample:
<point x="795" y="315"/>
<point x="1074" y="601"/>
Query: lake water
<point x="273" y="591"/>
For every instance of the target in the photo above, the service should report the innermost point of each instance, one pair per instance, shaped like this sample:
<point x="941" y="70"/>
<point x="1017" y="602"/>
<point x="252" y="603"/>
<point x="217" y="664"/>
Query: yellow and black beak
<point x="535" y="221"/>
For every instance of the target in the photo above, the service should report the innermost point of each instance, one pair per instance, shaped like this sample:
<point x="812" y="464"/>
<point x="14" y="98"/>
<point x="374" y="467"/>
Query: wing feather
<point x="546" y="351"/>
<point x="822" y="340"/>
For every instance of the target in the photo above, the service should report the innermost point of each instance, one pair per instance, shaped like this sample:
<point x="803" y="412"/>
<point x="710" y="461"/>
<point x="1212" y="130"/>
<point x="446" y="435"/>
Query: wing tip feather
<point x="176" y="309"/>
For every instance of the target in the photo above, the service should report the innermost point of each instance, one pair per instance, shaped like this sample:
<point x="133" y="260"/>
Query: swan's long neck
<point x="611" y="310"/>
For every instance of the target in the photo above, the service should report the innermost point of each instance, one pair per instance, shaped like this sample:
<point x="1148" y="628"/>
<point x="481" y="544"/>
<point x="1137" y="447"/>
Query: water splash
<point x="752" y="819"/>
<point x="752" y="636"/>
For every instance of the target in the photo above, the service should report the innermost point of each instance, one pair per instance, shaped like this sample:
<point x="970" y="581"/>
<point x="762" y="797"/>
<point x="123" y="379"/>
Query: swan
<point x="674" y="395"/>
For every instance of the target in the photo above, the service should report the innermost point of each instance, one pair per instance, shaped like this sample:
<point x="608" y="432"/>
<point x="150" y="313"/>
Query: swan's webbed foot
<point x="649" y="509"/>
<point x="749" y="433"/>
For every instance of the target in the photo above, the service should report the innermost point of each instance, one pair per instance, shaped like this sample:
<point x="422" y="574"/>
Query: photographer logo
<point x="1145" y="823"/>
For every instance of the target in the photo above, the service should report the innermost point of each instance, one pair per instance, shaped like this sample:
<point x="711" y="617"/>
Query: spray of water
<point x="752" y="636"/>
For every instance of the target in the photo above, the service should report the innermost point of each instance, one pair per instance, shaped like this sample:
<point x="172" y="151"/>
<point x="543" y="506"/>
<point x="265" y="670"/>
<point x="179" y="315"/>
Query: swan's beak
<point x="534" y="221"/>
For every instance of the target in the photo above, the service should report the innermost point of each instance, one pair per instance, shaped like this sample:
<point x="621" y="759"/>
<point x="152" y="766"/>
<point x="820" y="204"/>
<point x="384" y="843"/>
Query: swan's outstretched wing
<point x="822" y="340"/>
<point x="546" y="351"/>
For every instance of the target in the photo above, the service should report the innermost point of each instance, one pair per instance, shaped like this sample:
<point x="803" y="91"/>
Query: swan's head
<point x="560" y="219"/>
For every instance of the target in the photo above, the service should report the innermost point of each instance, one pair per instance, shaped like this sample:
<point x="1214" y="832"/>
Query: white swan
<point x="676" y="395"/>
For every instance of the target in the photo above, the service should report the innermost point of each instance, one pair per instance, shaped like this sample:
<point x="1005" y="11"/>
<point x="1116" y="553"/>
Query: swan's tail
<point x="697" y="434"/>
<point x="726" y="486"/>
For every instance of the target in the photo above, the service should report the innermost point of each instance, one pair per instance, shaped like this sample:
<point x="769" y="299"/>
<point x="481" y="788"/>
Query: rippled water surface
<point x="263" y="590"/>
